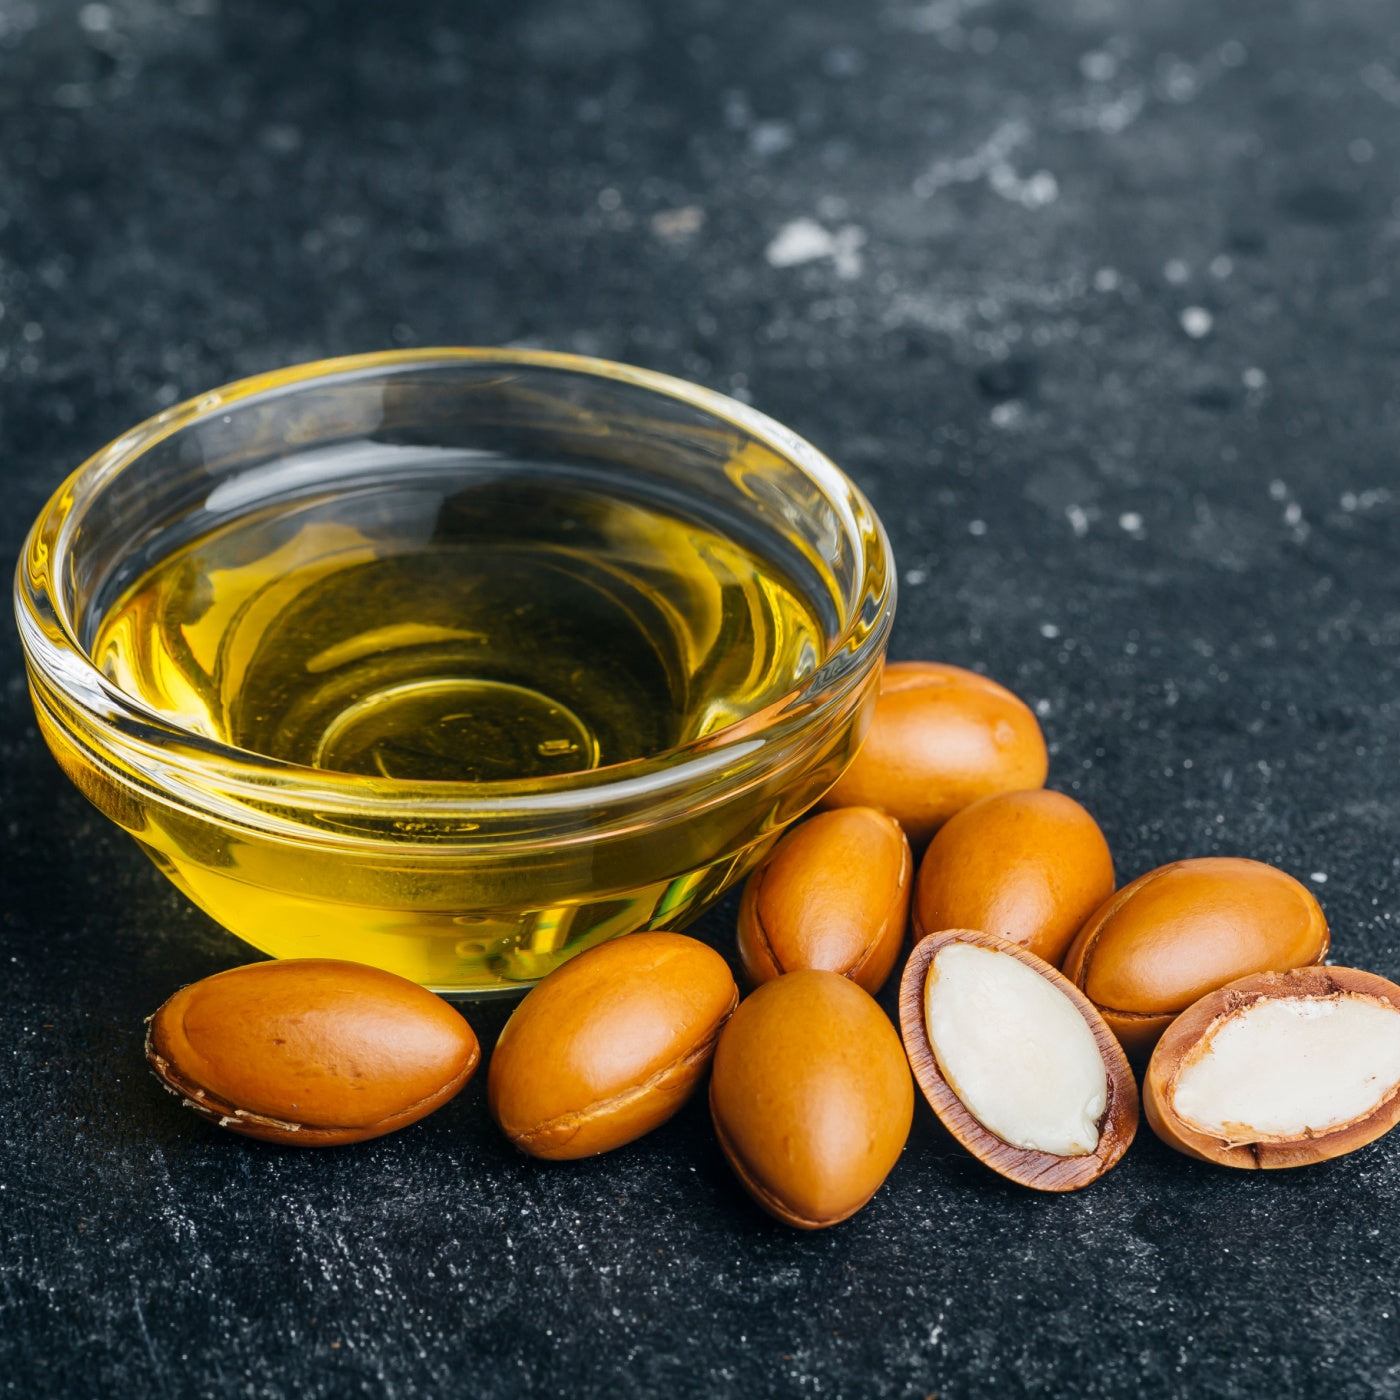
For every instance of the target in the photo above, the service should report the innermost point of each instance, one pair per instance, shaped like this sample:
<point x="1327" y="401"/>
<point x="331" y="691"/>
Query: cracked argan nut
<point x="1014" y="1061"/>
<point x="941" y="738"/>
<point x="832" y="894"/>
<point x="1185" y="929"/>
<point x="1030" y="866"/>
<point x="310" y="1051"/>
<point x="610" y="1045"/>
<point x="1279" y="1069"/>
<point x="811" y="1097"/>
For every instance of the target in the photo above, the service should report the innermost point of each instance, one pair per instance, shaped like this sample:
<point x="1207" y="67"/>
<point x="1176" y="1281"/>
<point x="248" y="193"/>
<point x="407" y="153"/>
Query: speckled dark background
<point x="1096" y="299"/>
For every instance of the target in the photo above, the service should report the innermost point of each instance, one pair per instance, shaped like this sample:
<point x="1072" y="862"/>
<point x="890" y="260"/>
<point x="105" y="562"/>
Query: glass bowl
<point x="475" y="886"/>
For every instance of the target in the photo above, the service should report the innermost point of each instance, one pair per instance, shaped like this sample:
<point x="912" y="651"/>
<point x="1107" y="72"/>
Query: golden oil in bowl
<point x="521" y="626"/>
<point x="454" y="664"/>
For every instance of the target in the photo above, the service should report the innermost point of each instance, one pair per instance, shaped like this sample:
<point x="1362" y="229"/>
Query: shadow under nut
<point x="610" y="1045"/>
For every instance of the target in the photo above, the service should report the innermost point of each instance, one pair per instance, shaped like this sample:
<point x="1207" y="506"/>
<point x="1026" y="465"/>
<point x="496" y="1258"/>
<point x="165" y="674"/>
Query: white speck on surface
<point x="977" y="528"/>
<point x="281" y="138"/>
<point x="1293" y="514"/>
<point x="95" y="19"/>
<point x="1049" y="631"/>
<point x="805" y="240"/>
<point x="1278" y="490"/>
<point x="802" y="240"/>
<point x="737" y="112"/>
<point x="1106" y="279"/>
<point x="1098" y="66"/>
<point x="977" y="164"/>
<point x="1034" y="192"/>
<point x="771" y="138"/>
<point x="1130" y="521"/>
<point x="843" y="62"/>
<point x="676" y="224"/>
<point x="1177" y="271"/>
<point x="914" y="577"/>
<point x="1102" y="109"/>
<point x="1180" y="82"/>
<point x="1042" y="708"/>
<point x="1008" y="415"/>
<point x="845" y="252"/>
<point x="931" y="18"/>
<point x="1254" y="378"/>
<point x="1197" y="322"/>
<point x="1382" y="82"/>
<point x="1078" y="520"/>
<point x="1361" y="150"/>
<point x="1318" y="877"/>
<point x="1221" y="266"/>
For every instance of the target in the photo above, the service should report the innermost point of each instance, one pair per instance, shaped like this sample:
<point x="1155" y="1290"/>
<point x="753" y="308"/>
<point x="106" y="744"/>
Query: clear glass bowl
<point x="475" y="887"/>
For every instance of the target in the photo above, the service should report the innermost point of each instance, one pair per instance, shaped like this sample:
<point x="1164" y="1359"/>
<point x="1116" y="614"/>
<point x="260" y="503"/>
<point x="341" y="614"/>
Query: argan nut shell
<point x="310" y="1051"/>
<point x="610" y="1045"/>
<point x="1042" y="1171"/>
<point x="811" y="1097"/>
<point x="832" y="894"/>
<point x="1030" y="866"/>
<point x="1183" y="930"/>
<point x="941" y="738"/>
<point x="1199" y="1020"/>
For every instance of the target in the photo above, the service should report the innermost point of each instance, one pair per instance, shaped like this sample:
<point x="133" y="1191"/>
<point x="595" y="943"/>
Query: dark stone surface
<point x="1100" y="308"/>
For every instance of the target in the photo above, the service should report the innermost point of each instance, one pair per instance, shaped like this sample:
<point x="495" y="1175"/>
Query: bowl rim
<point x="184" y="759"/>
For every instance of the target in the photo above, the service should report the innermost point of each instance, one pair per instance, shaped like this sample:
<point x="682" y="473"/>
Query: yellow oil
<point x="505" y="632"/>
<point x="500" y="629"/>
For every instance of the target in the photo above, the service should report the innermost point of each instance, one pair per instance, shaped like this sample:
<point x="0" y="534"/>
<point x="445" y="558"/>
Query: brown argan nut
<point x="310" y="1051"/>
<point x="1185" y="929"/>
<point x="941" y="738"/>
<point x="811" y="1097"/>
<point x="832" y="894"/>
<point x="1280" y="1069"/>
<point x="1030" y="866"/>
<point x="1016" y="1063"/>
<point x="610" y="1045"/>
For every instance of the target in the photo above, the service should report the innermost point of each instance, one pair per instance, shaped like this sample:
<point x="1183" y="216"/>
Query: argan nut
<point x="610" y="1045"/>
<point x="832" y="894"/>
<point x="310" y="1051"/>
<point x="1280" y="1069"/>
<point x="941" y="738"/>
<point x="1030" y="866"/>
<point x="811" y="1097"/>
<point x="1185" y="929"/>
<point x="1015" y="1062"/>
